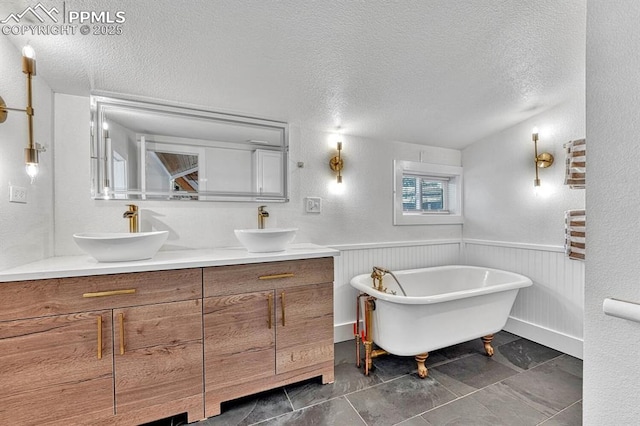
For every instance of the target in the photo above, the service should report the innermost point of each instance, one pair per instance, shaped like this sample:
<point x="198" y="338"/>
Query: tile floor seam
<point x="293" y="408"/>
<point x="556" y="414"/>
<point x="271" y="418"/>
<point x="322" y="402"/>
<point x="389" y="380"/>
<point x="529" y="405"/>
<point x="449" y="402"/>
<point x="481" y="389"/>
<point x="366" y="388"/>
<point x="348" y="393"/>
<point x="406" y="420"/>
<point x="549" y="360"/>
<point x="525" y="402"/>
<point x="274" y="417"/>
<point x="309" y="406"/>
<point x="354" y="409"/>
<point x="438" y="364"/>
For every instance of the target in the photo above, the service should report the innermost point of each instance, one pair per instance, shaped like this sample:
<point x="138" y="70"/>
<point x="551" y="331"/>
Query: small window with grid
<point x="427" y="193"/>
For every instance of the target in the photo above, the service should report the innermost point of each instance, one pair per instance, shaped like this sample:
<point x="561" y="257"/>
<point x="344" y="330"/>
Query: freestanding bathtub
<point x="444" y="306"/>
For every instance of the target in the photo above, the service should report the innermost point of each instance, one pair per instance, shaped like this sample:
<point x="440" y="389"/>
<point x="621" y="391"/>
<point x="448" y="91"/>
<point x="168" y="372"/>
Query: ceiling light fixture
<point x="33" y="149"/>
<point x="543" y="160"/>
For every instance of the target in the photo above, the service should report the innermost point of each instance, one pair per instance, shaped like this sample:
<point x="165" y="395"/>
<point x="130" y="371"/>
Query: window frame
<point x="454" y="175"/>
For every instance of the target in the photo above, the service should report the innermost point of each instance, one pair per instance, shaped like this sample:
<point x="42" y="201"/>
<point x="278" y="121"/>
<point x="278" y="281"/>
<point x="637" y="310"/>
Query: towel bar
<point x="622" y="309"/>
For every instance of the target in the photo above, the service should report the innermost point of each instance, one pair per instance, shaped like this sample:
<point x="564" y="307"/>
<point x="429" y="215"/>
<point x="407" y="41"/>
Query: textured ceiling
<point x="437" y="72"/>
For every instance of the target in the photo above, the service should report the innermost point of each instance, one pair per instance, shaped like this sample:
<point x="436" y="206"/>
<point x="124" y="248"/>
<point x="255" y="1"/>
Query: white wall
<point x="508" y="227"/>
<point x="613" y="125"/>
<point x="26" y="230"/>
<point x="500" y="204"/>
<point x="362" y="213"/>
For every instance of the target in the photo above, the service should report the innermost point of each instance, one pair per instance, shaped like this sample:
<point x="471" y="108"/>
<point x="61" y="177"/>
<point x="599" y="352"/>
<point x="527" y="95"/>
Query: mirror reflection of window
<point x="182" y="168"/>
<point x="180" y="171"/>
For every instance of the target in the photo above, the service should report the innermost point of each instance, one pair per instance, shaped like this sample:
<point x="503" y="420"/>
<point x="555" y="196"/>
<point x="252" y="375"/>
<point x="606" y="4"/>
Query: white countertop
<point x="85" y="265"/>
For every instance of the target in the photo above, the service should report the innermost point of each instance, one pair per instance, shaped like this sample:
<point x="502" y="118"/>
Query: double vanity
<point x="83" y="342"/>
<point x="129" y="336"/>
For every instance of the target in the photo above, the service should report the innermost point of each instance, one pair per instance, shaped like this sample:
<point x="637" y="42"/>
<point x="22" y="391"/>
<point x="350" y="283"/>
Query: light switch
<point x="313" y="204"/>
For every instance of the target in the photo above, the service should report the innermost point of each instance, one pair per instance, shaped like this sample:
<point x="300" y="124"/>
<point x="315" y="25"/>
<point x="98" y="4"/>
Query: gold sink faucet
<point x="132" y="215"/>
<point x="262" y="213"/>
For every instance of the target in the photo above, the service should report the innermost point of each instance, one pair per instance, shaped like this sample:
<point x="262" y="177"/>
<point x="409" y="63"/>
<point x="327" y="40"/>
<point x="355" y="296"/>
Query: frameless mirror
<point x="142" y="150"/>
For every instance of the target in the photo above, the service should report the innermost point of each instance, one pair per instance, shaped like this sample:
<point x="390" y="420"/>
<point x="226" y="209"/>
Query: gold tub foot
<point x="487" y="344"/>
<point x="422" y="369"/>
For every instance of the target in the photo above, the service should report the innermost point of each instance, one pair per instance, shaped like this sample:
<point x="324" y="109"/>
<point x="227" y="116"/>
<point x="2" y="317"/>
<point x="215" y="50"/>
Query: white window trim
<point x="455" y="216"/>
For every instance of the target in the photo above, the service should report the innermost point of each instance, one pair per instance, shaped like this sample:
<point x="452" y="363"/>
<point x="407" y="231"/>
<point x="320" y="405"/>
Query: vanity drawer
<point x="224" y="280"/>
<point x="30" y="299"/>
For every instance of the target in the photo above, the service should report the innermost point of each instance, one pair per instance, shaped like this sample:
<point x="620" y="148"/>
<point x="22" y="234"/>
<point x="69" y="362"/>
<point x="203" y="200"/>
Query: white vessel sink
<point x="121" y="247"/>
<point x="266" y="240"/>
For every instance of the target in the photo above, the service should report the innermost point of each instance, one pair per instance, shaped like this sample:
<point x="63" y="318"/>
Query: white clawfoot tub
<point x="444" y="306"/>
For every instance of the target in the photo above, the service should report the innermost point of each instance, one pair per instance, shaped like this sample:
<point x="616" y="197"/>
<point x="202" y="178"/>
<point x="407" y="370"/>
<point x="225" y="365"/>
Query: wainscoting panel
<point x="549" y="312"/>
<point x="356" y="259"/>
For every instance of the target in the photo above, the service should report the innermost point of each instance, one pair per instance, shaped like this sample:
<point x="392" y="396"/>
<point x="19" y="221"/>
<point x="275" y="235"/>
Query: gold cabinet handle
<point x="121" y="318"/>
<point x="270" y="304"/>
<point x="110" y="293"/>
<point x="276" y="276"/>
<point x="282" y="306"/>
<point x="100" y="337"/>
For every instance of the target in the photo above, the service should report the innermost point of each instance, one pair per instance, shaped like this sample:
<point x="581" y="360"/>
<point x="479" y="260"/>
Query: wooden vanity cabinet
<point x="147" y="325"/>
<point x="53" y="370"/>
<point x="158" y="360"/>
<point x="266" y="325"/>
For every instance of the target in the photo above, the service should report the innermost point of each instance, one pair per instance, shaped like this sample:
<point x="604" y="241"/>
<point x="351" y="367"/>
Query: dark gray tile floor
<point x="524" y="383"/>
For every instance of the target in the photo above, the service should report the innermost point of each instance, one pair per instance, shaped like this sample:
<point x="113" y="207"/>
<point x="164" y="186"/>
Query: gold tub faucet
<point x="377" y="276"/>
<point x="132" y="215"/>
<point x="262" y="214"/>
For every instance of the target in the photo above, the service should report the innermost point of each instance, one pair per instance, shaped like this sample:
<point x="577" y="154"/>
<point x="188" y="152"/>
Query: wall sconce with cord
<point x="33" y="149"/>
<point x="337" y="163"/>
<point x="542" y="160"/>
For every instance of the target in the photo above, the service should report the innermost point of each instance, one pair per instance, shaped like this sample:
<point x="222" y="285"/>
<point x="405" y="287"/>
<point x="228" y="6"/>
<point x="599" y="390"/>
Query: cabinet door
<point x="239" y="339"/>
<point x="305" y="326"/>
<point x="54" y="369"/>
<point x="158" y="358"/>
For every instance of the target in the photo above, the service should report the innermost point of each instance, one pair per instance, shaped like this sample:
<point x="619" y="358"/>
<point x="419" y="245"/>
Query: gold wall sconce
<point x="337" y="163"/>
<point x="542" y="160"/>
<point x="33" y="149"/>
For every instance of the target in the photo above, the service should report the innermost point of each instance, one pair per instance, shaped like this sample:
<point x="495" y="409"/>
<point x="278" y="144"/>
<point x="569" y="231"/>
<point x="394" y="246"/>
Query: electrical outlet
<point x="17" y="194"/>
<point x="313" y="204"/>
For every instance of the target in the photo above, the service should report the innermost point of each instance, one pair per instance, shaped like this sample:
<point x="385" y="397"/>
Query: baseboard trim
<point x="343" y="332"/>
<point x="551" y="338"/>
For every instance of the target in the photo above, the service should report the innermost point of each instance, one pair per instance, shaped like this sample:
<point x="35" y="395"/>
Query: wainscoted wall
<point x="356" y="259"/>
<point x="549" y="312"/>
